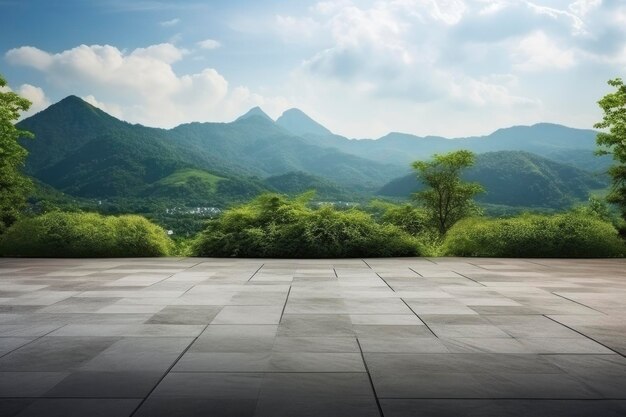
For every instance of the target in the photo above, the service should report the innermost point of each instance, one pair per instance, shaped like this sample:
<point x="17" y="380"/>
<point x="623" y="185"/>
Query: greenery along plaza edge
<point x="82" y="159"/>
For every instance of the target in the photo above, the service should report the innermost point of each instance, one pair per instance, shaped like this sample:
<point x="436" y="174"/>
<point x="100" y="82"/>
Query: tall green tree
<point x="447" y="198"/>
<point x="613" y="140"/>
<point x="14" y="186"/>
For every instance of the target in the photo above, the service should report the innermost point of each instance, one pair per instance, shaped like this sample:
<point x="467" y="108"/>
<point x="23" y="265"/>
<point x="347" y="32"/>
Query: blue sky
<point x="362" y="68"/>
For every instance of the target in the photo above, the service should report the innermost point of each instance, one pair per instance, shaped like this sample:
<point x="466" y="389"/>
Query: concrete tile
<point x="328" y="407"/>
<point x="197" y="407"/>
<point x="234" y="386"/>
<point x="138" y="354"/>
<point x="408" y="344"/>
<point x="28" y="384"/>
<point x="329" y="325"/>
<point x="386" y="319"/>
<point x="55" y="354"/>
<point x="224" y="362"/>
<point x="316" y="362"/>
<point x="315" y="344"/>
<point x="185" y="315"/>
<point x="13" y="406"/>
<point x="80" y="408"/>
<point x="295" y="386"/>
<point x="497" y="408"/>
<point x="106" y="384"/>
<point x="248" y="315"/>
<point x="236" y="338"/>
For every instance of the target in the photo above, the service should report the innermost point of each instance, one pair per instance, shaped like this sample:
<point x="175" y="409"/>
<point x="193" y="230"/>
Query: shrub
<point x="412" y="220"/>
<point x="59" y="234"/>
<point x="274" y="226"/>
<point x="569" y="235"/>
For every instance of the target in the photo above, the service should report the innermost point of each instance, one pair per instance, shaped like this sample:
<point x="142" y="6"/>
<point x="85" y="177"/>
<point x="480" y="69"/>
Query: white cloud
<point x="165" y="52"/>
<point x="170" y="23"/>
<point x="35" y="57"/>
<point x="110" y="108"/>
<point x="209" y="44"/>
<point x="578" y="26"/>
<point x="295" y="29"/>
<point x="537" y="52"/>
<point x="141" y="85"/>
<point x="449" y="12"/>
<point x="34" y="94"/>
<point x="582" y="7"/>
<point x="391" y="51"/>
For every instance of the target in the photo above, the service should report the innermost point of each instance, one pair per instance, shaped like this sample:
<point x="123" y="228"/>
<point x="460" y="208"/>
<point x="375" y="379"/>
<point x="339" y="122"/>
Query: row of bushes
<point x="570" y="235"/>
<point x="84" y="235"/>
<point x="274" y="226"/>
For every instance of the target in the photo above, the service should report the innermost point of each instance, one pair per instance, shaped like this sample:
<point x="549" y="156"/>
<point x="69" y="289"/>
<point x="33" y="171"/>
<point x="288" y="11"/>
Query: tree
<point x="613" y="141"/>
<point x="447" y="198"/>
<point x="14" y="186"/>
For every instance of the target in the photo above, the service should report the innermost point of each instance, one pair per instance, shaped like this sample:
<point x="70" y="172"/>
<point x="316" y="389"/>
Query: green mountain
<point x="516" y="178"/>
<point x="298" y="123"/>
<point x="257" y="146"/>
<point x="82" y="151"/>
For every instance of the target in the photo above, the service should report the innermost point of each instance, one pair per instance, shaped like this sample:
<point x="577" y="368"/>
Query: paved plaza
<point x="278" y="338"/>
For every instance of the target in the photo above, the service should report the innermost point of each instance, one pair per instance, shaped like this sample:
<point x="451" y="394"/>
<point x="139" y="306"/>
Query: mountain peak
<point x="72" y="99"/>
<point x="299" y="123"/>
<point x="255" y="112"/>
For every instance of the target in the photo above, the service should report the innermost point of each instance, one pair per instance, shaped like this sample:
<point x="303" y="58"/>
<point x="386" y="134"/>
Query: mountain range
<point x="82" y="151"/>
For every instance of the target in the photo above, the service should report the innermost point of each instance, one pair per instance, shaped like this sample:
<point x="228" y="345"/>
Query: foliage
<point x="613" y="142"/>
<point x="447" y="198"/>
<point x="275" y="226"/>
<point x="411" y="219"/>
<point x="14" y="186"/>
<point x="596" y="207"/>
<point x="569" y="235"/>
<point x="60" y="234"/>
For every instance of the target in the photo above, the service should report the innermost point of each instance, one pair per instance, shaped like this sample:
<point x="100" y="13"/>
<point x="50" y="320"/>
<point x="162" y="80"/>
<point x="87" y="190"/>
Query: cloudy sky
<point x="362" y="68"/>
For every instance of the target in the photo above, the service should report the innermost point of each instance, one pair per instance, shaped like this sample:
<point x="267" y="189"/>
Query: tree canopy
<point x="613" y="140"/>
<point x="447" y="197"/>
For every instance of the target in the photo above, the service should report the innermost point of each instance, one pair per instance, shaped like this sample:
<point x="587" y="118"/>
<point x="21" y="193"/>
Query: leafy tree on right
<point x="613" y="140"/>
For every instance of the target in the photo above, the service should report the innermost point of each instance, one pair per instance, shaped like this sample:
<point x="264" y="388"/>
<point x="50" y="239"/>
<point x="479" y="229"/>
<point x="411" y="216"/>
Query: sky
<point x="361" y="68"/>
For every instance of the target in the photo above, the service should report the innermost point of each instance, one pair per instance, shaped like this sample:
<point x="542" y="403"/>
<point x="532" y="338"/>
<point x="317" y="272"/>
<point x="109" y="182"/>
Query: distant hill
<point x="573" y="146"/>
<point x="516" y="178"/>
<point x="203" y="187"/>
<point x="298" y="123"/>
<point x="255" y="112"/>
<point x="300" y="182"/>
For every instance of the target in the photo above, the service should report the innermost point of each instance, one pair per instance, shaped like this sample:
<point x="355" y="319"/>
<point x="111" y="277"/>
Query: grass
<point x="183" y="176"/>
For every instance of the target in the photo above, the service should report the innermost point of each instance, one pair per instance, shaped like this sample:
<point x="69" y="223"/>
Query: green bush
<point x="569" y="235"/>
<point x="274" y="226"/>
<point x="84" y="235"/>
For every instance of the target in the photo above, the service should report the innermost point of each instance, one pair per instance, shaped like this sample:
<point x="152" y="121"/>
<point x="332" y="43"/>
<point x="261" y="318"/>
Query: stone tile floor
<point x="393" y="337"/>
